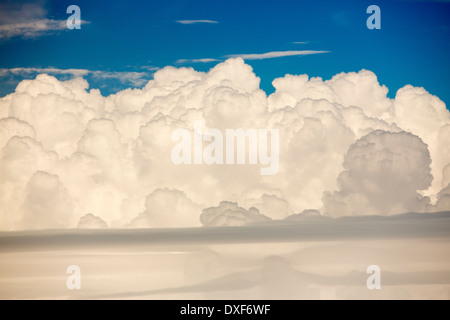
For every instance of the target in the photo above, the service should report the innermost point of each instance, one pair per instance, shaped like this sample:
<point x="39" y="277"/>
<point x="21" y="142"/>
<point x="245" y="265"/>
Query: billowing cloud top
<point x="345" y="149"/>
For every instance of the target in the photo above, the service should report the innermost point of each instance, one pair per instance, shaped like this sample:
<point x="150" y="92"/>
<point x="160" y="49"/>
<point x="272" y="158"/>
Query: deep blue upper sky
<point x="412" y="46"/>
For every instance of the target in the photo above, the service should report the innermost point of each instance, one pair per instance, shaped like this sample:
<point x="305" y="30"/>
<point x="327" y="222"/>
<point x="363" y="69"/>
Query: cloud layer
<point x="345" y="148"/>
<point x="125" y="77"/>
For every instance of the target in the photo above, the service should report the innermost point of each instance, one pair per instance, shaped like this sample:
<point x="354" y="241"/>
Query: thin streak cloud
<point x="135" y="78"/>
<point x="275" y="54"/>
<point x="205" y="60"/>
<point x="49" y="70"/>
<point x="196" y="21"/>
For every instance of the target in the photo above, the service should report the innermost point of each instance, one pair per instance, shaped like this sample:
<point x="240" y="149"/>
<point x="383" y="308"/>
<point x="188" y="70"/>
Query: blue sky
<point x="124" y="42"/>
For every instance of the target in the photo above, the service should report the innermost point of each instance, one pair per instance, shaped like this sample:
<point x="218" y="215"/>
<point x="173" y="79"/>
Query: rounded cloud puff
<point x="383" y="172"/>
<point x="112" y="155"/>
<point x="230" y="214"/>
<point x="166" y="208"/>
<point x="89" y="221"/>
<point x="47" y="204"/>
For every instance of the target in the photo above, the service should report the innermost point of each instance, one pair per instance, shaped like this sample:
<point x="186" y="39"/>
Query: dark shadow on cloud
<point x="404" y="226"/>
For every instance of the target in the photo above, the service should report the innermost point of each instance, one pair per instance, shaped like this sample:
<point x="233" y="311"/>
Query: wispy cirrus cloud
<point x="135" y="78"/>
<point x="27" y="20"/>
<point x="204" y="60"/>
<point x="149" y="68"/>
<point x="32" y="29"/>
<point x="300" y="42"/>
<point x="49" y="70"/>
<point x="274" y="54"/>
<point x="255" y="56"/>
<point x="125" y="77"/>
<point x="14" y="12"/>
<point x="196" y="21"/>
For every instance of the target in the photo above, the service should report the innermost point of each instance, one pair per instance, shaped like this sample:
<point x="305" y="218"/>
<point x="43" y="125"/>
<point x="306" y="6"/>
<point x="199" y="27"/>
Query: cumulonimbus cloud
<point x="383" y="172"/>
<point x="67" y="150"/>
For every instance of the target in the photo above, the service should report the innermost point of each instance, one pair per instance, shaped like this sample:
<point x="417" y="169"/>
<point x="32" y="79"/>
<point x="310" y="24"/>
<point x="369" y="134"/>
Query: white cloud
<point x="383" y="172"/>
<point x="49" y="70"/>
<point x="275" y="54"/>
<point x="230" y="214"/>
<point x="196" y="21"/>
<point x="13" y="12"/>
<point x="300" y="42"/>
<point x="31" y="29"/>
<point x="149" y="68"/>
<point x="165" y="208"/>
<point x="135" y="78"/>
<point x="89" y="221"/>
<point x="47" y="204"/>
<point x="125" y="77"/>
<point x="27" y="20"/>
<point x="111" y="153"/>
<point x="270" y="202"/>
<point x="204" y="60"/>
